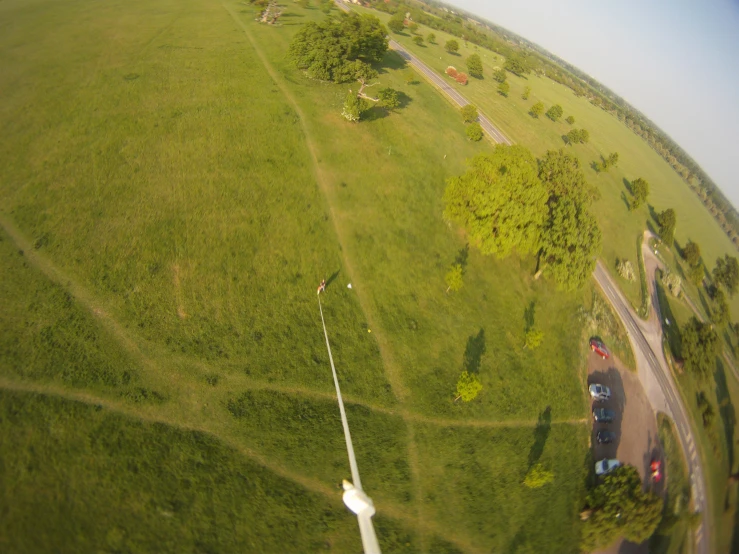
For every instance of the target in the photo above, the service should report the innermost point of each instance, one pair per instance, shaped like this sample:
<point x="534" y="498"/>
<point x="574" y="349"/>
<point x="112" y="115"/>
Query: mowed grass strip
<point x="386" y="180"/>
<point x="168" y="175"/>
<point x="607" y="134"/>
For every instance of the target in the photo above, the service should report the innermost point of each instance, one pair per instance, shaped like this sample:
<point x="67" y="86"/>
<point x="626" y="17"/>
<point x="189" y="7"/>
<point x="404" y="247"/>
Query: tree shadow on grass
<point x="671" y="330"/>
<point x="378" y="112"/>
<point x="541" y="434"/>
<point x="462" y="256"/>
<point x="392" y="60"/>
<point x="626" y="200"/>
<point x="529" y="315"/>
<point x="473" y="352"/>
<point x="627" y="184"/>
<point x="704" y="302"/>
<point x="333" y="277"/>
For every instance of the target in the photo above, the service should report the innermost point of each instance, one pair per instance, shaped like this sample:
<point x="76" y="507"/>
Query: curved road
<point x="655" y="375"/>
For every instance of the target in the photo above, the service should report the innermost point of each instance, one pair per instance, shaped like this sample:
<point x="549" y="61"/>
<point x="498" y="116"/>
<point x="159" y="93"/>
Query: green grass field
<point x="607" y="134"/>
<point x="177" y="191"/>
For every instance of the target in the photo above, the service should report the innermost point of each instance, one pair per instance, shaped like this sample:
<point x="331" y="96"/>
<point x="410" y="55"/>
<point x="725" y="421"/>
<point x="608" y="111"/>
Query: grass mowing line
<point x="87" y="300"/>
<point x="399" y="389"/>
<point x="55" y="275"/>
<point x="139" y="414"/>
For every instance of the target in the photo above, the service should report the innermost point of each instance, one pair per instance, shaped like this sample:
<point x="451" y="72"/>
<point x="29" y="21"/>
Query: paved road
<point x="646" y="339"/>
<point x="441" y="82"/>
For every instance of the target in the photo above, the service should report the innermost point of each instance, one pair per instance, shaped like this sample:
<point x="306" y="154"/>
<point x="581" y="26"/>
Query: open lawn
<point x="172" y="193"/>
<point x="607" y="134"/>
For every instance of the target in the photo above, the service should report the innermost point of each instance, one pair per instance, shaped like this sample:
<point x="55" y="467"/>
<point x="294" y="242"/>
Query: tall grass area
<point x="607" y="134"/>
<point x="175" y="215"/>
<point x="77" y="478"/>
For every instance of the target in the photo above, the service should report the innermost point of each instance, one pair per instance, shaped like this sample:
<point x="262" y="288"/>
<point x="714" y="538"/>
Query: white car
<point x="606" y="466"/>
<point x="599" y="392"/>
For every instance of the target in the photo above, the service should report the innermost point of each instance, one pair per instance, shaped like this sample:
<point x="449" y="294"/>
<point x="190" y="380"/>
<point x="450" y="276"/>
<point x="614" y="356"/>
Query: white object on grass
<point x="349" y="286"/>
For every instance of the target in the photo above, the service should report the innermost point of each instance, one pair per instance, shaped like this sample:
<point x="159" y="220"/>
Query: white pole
<point x="354" y="497"/>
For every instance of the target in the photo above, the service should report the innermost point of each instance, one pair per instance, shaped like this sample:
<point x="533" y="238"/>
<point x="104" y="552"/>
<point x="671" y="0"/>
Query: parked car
<point x="656" y="468"/>
<point x="606" y="466"/>
<point x="605" y="437"/>
<point x="602" y="415"/>
<point x="597" y="346"/>
<point x="599" y="392"/>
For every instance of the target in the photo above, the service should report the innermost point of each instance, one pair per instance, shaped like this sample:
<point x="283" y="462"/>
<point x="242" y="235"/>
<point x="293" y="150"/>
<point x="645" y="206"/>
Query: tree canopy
<point x="726" y="273"/>
<point x="500" y="201"/>
<point x="468" y="386"/>
<point x="578" y="136"/>
<point x="504" y="88"/>
<point x="639" y="193"/>
<point x="451" y="46"/>
<point x="431" y="38"/>
<point x="562" y="176"/>
<point x="517" y="65"/>
<point x="537" y="109"/>
<point x="570" y="119"/>
<point x="667" y="221"/>
<point x="571" y="243"/>
<point x="396" y="25"/>
<point x="474" y="131"/>
<point x="469" y="113"/>
<point x="339" y="48"/>
<point x="555" y="112"/>
<point x="474" y="66"/>
<point x="388" y="98"/>
<point x="453" y="277"/>
<point x="720" y="312"/>
<point x="526" y="93"/>
<point x="499" y="75"/>
<point x="692" y="253"/>
<point x="618" y="507"/>
<point x="700" y="345"/>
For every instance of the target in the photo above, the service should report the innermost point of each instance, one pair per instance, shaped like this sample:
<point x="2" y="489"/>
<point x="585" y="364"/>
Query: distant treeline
<point x="530" y="57"/>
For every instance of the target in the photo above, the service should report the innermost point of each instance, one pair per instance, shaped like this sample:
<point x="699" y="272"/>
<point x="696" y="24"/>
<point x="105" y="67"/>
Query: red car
<point x="656" y="468"/>
<point x="599" y="348"/>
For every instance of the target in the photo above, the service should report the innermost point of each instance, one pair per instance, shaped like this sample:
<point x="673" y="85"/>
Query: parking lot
<point x="635" y="427"/>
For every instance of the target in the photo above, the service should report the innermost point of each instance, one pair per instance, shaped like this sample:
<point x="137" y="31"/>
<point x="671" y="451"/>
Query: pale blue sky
<point x="676" y="61"/>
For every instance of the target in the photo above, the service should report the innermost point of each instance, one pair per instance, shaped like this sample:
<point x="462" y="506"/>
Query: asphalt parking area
<point x="635" y="426"/>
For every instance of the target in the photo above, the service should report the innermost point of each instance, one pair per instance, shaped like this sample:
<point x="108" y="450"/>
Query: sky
<point x="675" y="61"/>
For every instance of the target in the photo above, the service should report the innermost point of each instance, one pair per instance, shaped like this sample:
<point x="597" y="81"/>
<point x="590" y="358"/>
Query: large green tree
<point x="555" y="112"/>
<point x="571" y="239"/>
<point x="692" y="253"/>
<point x="474" y="66"/>
<point x="451" y="46"/>
<point x="571" y="242"/>
<point x="667" y="220"/>
<point x="726" y="273"/>
<point x="537" y="109"/>
<point x="517" y="65"/>
<point x="339" y="47"/>
<point x="700" y="346"/>
<point x="469" y="113"/>
<point x="617" y="507"/>
<point x="500" y="201"/>
<point x="396" y="25"/>
<point x="504" y="88"/>
<point x="639" y="192"/>
<point x="720" y="312"/>
<point x="499" y="75"/>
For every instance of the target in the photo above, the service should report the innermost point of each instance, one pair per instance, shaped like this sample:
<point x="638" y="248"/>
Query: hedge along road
<point x="646" y="339"/>
<point x="652" y="367"/>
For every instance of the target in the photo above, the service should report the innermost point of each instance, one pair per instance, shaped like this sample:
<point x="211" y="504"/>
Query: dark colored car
<point x="605" y="437"/>
<point x="602" y="415"/>
<point x="597" y="346"/>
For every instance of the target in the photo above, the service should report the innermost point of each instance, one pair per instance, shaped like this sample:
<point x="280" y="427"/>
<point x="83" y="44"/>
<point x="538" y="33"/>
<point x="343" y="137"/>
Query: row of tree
<point x="508" y="202"/>
<point x="523" y="57"/>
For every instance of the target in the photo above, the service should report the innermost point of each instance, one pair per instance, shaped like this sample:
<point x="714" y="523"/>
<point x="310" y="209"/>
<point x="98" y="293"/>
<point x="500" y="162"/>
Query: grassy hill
<point x="173" y="193"/>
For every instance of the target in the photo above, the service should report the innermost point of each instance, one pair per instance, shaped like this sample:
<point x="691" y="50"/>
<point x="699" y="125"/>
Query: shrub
<point x="461" y="78"/>
<point x="538" y="477"/>
<point x="469" y="113"/>
<point x="474" y="131"/>
<point x="673" y="284"/>
<point x="451" y="71"/>
<point x="626" y="270"/>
